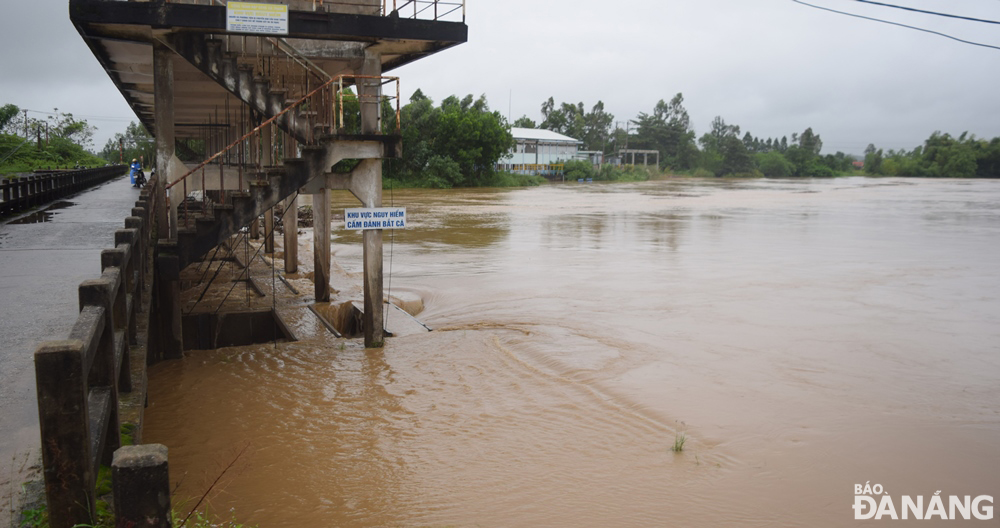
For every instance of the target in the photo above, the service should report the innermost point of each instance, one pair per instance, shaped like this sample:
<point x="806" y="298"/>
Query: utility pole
<point x="25" y="124"/>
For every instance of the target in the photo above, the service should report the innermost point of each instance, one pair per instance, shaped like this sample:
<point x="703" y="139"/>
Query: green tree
<point x="134" y="143"/>
<point x="473" y="137"/>
<point x="811" y="142"/>
<point x="774" y="165"/>
<point x="65" y="126"/>
<point x="719" y="131"/>
<point x="525" y="122"/>
<point x="668" y="130"/>
<point x="567" y="119"/>
<point x="873" y="160"/>
<point x="8" y="114"/>
<point x="455" y="144"/>
<point x="596" y="128"/>
<point x="736" y="159"/>
<point x="946" y="157"/>
<point x="724" y="153"/>
<point x="988" y="159"/>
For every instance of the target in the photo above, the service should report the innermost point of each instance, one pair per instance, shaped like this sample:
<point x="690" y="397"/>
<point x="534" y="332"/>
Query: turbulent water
<point x="802" y="337"/>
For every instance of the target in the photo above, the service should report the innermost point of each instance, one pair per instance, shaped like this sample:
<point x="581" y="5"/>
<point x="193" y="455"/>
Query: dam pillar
<point x="291" y="216"/>
<point x="163" y="129"/>
<point x="369" y="92"/>
<point x="321" y="244"/>
<point x="166" y="338"/>
<point x="266" y="160"/>
<point x="290" y="223"/>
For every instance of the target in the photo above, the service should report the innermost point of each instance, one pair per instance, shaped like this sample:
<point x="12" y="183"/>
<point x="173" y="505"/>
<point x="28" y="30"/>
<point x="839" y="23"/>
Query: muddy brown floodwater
<point x="803" y="336"/>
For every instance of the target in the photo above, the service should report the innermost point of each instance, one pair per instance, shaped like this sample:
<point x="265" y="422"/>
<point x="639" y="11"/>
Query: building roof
<point x="541" y="135"/>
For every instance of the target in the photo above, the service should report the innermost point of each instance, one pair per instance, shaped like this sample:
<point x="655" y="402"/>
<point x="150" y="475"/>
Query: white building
<point x="539" y="151"/>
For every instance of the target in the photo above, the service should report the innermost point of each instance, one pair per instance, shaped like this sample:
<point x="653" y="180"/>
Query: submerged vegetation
<point x="577" y="169"/>
<point x="679" y="441"/>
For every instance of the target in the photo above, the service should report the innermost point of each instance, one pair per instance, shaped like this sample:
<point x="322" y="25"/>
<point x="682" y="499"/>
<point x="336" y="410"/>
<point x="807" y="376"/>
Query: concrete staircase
<point x="207" y="55"/>
<point x="322" y="147"/>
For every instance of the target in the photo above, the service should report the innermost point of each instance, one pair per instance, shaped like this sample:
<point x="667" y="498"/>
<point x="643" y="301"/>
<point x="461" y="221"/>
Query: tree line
<point x="723" y="151"/>
<point x="458" y="143"/>
<point x="941" y="156"/>
<point x="58" y="141"/>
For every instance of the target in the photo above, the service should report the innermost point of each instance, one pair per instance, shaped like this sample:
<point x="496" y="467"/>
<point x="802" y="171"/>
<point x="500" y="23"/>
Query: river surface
<point x="802" y="336"/>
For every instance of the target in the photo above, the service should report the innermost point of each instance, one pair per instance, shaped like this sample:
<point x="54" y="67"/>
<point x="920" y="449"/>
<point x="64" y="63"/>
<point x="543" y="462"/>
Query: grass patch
<point x="679" y="443"/>
<point x="39" y="518"/>
<point x="510" y="179"/>
<point x="127" y="431"/>
<point x="497" y="179"/>
<point x="35" y="518"/>
<point x="104" y="516"/>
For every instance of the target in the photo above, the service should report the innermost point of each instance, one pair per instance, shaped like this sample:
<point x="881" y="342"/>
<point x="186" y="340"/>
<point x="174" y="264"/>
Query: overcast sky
<point x="773" y="67"/>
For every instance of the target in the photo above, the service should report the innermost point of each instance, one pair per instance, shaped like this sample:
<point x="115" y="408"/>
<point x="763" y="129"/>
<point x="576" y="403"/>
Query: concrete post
<point x="368" y="92"/>
<point x="163" y="109"/>
<point x="321" y="244"/>
<point x="65" y="426"/>
<point x="255" y="229"/>
<point x="141" y="486"/>
<point x="101" y="293"/>
<point x="266" y="161"/>
<point x="291" y="227"/>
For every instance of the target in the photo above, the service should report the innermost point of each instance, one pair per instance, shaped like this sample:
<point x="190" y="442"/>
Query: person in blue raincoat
<point x="134" y="168"/>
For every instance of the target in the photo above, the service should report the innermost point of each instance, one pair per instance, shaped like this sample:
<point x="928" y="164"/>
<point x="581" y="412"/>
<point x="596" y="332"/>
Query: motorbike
<point x="140" y="179"/>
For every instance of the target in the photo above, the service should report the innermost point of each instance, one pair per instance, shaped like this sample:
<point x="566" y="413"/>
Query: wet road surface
<point x="44" y="256"/>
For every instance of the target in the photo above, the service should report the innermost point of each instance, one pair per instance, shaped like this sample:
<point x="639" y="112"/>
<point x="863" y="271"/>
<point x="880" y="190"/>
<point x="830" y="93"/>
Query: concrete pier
<point x="163" y="94"/>
<point x="321" y="244"/>
<point x="290" y="224"/>
<point x="370" y="172"/>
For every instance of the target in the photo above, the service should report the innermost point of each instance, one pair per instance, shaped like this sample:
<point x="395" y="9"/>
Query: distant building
<point x="859" y="165"/>
<point x="595" y="157"/>
<point x="634" y="156"/>
<point x="539" y="151"/>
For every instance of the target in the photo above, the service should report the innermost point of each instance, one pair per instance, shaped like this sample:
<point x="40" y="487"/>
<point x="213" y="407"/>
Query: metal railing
<point x="434" y="10"/>
<point x="425" y="9"/>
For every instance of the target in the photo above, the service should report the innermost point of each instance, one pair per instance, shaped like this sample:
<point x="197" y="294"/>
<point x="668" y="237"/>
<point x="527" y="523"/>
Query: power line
<point x="898" y="24"/>
<point x="94" y="117"/>
<point x="915" y="10"/>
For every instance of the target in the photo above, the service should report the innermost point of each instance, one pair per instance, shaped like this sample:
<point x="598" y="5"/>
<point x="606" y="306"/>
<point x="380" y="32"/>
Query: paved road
<point x="41" y="265"/>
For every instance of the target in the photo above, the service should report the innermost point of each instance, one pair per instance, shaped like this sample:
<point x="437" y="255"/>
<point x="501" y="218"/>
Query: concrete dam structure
<point x="254" y="108"/>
